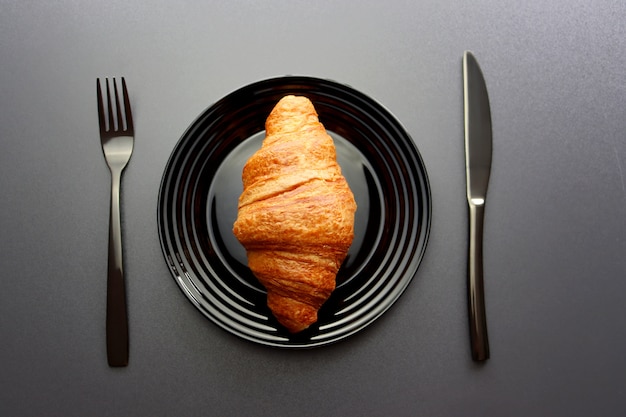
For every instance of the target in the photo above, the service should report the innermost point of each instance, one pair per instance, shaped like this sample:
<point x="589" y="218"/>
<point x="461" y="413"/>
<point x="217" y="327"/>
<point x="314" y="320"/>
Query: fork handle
<point x="116" y="313"/>
<point x="476" y="291"/>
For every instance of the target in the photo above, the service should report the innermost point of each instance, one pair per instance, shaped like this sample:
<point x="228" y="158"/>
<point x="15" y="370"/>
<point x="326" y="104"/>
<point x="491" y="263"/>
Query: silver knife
<point x="477" y="166"/>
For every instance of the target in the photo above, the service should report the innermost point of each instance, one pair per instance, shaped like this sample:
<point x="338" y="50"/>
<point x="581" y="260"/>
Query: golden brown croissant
<point x="296" y="213"/>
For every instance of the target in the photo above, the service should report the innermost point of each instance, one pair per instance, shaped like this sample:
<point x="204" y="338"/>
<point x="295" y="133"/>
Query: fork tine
<point x="120" y="124"/>
<point x="101" y="120"/>
<point x="110" y="108"/>
<point x="129" y="115"/>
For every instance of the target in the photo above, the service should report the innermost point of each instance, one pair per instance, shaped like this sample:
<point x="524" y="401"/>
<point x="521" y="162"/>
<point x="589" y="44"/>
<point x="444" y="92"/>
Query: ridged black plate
<point x="198" y="205"/>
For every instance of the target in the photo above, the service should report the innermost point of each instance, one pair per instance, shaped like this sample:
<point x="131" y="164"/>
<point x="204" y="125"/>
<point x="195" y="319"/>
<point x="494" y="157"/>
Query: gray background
<point x="555" y="228"/>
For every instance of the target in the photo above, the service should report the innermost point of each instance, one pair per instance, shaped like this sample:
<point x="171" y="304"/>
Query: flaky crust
<point x="296" y="213"/>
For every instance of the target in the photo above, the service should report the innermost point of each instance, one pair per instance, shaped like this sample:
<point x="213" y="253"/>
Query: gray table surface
<point x="555" y="227"/>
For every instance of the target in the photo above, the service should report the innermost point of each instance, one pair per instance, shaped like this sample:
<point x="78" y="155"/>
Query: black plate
<point x="198" y="205"/>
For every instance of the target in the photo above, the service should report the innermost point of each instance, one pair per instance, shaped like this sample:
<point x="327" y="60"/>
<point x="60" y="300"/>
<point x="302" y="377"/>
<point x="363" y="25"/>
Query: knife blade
<point x="478" y="151"/>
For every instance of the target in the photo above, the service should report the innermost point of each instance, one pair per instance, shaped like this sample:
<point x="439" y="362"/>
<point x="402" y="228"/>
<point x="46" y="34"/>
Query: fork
<point x="117" y="137"/>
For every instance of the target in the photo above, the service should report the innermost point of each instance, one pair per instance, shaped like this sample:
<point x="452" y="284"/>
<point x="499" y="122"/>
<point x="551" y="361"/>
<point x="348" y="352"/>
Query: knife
<point x="477" y="167"/>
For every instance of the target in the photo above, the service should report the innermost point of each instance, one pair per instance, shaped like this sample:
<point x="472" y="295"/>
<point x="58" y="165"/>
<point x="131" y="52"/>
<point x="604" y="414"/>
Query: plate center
<point x="226" y="186"/>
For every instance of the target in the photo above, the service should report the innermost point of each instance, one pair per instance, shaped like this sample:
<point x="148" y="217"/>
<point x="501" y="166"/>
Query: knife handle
<point x="476" y="290"/>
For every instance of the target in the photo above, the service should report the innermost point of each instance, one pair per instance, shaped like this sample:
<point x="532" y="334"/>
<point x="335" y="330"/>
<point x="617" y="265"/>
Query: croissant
<point x="296" y="213"/>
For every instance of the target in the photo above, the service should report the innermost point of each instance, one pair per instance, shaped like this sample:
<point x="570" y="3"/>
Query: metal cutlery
<point x="478" y="149"/>
<point x="117" y="138"/>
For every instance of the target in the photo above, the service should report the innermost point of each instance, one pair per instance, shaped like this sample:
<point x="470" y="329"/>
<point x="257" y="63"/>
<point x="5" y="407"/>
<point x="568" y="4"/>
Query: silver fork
<point x="117" y="137"/>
